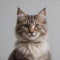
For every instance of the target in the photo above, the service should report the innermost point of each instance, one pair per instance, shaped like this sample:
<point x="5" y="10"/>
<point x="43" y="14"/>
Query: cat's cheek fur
<point x="29" y="37"/>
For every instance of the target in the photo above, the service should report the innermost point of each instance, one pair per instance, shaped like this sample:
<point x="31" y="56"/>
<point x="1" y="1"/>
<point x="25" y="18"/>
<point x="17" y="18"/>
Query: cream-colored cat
<point x="31" y="32"/>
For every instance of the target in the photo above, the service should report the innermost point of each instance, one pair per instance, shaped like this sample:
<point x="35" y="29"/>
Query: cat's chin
<point x="31" y="37"/>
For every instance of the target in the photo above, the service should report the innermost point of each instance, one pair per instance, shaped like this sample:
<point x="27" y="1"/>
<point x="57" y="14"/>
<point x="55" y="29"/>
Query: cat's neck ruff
<point x="36" y="50"/>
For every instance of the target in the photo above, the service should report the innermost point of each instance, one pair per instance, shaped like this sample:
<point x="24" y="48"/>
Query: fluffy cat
<point x="31" y="32"/>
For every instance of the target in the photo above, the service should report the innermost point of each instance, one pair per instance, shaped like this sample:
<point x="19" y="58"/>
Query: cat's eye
<point x="25" y="25"/>
<point x="37" y="25"/>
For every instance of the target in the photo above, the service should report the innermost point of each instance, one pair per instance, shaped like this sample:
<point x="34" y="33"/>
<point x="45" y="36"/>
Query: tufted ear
<point x="20" y="13"/>
<point x="42" y="13"/>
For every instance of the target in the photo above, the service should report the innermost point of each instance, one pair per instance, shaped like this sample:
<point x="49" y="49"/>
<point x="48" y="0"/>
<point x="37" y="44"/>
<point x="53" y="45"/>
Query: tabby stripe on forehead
<point x="31" y="18"/>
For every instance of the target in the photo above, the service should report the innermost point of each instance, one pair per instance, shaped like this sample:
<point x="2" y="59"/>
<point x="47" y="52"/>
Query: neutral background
<point x="8" y="16"/>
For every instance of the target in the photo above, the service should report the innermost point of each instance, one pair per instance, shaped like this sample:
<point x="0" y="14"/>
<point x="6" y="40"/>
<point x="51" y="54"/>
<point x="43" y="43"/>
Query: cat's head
<point x="31" y="27"/>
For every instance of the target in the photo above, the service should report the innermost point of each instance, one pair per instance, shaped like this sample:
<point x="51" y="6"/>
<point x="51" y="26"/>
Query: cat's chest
<point x="34" y="51"/>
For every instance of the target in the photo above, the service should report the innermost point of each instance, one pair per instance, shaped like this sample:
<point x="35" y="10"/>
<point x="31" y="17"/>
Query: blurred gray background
<point x="8" y="17"/>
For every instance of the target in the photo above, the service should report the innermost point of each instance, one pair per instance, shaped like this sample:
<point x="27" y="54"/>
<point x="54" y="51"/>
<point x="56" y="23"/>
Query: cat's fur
<point x="31" y="32"/>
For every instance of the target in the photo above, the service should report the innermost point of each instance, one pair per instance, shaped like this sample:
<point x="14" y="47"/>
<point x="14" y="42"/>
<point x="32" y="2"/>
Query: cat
<point x="31" y="32"/>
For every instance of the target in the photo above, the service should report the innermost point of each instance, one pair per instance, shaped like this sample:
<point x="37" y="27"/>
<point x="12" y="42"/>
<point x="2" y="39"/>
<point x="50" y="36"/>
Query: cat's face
<point x="31" y="27"/>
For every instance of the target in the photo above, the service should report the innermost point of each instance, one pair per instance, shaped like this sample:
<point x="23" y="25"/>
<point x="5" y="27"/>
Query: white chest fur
<point x="36" y="50"/>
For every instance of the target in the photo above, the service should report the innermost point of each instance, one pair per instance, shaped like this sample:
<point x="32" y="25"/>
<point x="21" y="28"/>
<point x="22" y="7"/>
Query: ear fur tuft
<point x="19" y="11"/>
<point x="42" y="12"/>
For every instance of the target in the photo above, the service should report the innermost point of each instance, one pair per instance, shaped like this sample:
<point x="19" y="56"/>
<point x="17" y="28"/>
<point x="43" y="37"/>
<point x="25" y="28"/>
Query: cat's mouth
<point x="31" y="36"/>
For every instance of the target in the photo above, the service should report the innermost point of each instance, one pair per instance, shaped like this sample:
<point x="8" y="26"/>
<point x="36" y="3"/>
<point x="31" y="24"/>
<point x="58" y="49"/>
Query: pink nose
<point x="31" y="30"/>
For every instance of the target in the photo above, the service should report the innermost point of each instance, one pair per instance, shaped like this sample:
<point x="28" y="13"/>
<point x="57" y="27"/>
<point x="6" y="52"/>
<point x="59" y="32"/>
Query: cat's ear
<point x="42" y="13"/>
<point x="20" y="13"/>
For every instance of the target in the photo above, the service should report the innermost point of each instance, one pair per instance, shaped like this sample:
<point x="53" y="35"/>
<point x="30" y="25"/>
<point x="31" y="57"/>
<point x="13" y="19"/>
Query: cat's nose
<point x="31" y="30"/>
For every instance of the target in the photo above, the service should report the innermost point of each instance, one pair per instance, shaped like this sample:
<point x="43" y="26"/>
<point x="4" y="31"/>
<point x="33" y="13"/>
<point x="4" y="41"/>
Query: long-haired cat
<point x="31" y="32"/>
